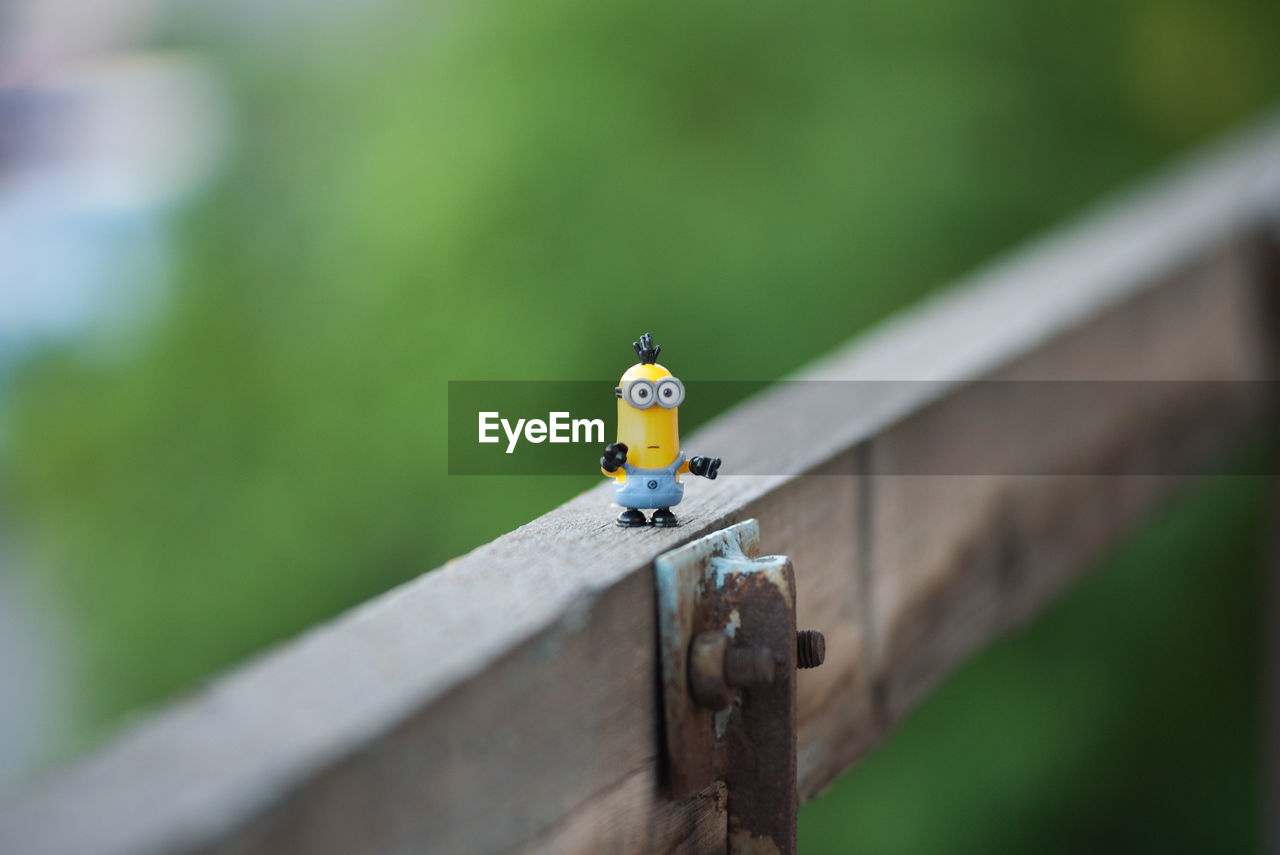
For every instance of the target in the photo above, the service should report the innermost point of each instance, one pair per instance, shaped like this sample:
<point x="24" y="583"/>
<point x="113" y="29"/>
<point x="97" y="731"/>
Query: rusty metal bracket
<point x="729" y="652"/>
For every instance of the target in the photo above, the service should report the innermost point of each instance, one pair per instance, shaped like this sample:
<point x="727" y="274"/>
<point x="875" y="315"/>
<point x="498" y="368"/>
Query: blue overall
<point x="650" y="488"/>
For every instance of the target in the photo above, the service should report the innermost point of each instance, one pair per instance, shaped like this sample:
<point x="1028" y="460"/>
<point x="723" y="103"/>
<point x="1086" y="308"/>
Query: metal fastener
<point x="811" y="648"/>
<point x="730" y="654"/>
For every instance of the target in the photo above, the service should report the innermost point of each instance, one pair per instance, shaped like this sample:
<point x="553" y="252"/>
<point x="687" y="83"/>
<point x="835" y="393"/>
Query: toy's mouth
<point x="652" y="446"/>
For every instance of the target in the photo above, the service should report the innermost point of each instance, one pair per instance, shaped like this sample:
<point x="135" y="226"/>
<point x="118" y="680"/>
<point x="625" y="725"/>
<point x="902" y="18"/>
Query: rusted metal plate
<point x="683" y="577"/>
<point x="729" y="616"/>
<point x="757" y="746"/>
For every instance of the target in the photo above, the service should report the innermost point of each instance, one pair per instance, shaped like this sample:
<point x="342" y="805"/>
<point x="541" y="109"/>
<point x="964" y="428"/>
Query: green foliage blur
<point x="420" y="193"/>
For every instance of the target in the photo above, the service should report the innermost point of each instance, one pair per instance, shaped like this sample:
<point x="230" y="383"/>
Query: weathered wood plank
<point x="957" y="557"/>
<point x="507" y="701"/>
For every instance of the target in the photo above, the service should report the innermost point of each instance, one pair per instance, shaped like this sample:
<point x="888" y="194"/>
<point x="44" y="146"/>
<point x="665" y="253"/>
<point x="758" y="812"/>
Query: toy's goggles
<point x="643" y="394"/>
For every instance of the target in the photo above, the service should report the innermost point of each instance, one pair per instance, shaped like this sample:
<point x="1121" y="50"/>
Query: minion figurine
<point x="646" y="461"/>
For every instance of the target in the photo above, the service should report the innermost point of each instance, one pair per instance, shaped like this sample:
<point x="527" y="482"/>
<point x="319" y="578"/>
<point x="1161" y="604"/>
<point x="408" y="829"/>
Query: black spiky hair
<point x="646" y="349"/>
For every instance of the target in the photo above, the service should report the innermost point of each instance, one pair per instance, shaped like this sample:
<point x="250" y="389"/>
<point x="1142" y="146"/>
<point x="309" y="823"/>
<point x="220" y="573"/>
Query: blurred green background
<point x="418" y="193"/>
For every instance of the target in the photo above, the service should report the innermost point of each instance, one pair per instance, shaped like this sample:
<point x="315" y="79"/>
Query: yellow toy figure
<point x="646" y="462"/>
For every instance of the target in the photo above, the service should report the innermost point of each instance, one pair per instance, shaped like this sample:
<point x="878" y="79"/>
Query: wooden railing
<point x="507" y="701"/>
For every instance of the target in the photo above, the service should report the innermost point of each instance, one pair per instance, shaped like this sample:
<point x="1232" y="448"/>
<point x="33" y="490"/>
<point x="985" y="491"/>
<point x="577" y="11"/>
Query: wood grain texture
<point x="507" y="701"/>
<point x="956" y="557"/>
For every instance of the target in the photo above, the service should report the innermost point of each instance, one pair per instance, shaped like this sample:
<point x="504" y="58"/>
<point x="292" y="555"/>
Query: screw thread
<point x="811" y="648"/>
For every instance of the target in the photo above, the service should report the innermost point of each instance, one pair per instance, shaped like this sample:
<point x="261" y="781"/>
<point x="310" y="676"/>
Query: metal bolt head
<point x="717" y="668"/>
<point x="707" y="684"/>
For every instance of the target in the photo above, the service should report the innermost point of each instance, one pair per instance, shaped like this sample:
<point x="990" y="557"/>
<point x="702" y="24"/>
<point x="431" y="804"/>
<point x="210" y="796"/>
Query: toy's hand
<point x="615" y="454"/>
<point x="707" y="467"/>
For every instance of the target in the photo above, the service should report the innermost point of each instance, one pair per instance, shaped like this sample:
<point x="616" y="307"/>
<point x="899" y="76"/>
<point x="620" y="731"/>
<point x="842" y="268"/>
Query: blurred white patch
<point x="100" y="156"/>
<point x="140" y="132"/>
<point x="41" y="36"/>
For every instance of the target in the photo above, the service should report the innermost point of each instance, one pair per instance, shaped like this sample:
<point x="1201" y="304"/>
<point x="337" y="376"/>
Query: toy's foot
<point x="663" y="518"/>
<point x="631" y="518"/>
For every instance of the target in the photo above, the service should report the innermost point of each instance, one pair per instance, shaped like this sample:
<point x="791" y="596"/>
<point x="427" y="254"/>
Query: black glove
<point x="707" y="467"/>
<point x="615" y="454"/>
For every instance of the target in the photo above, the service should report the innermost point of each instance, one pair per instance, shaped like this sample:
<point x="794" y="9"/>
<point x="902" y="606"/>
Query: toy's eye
<point x="670" y="392"/>
<point x="640" y="394"/>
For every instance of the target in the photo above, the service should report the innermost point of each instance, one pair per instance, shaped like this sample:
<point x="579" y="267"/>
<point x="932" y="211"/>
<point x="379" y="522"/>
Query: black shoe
<point x="631" y="518"/>
<point x="663" y="518"/>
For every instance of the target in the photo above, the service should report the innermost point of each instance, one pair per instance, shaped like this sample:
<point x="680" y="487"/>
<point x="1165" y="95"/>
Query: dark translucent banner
<point x="920" y="428"/>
